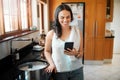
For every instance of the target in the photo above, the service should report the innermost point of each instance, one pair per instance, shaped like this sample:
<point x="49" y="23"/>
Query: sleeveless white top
<point x="62" y="61"/>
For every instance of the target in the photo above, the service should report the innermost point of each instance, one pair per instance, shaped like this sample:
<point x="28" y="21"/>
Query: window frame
<point x="4" y="34"/>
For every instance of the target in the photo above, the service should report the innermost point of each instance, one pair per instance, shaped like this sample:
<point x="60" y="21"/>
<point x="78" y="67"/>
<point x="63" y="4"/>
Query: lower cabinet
<point x="99" y="49"/>
<point x="108" y="50"/>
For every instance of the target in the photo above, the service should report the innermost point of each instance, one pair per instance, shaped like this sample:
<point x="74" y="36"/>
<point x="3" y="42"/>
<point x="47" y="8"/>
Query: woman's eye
<point x="62" y="17"/>
<point x="68" y="17"/>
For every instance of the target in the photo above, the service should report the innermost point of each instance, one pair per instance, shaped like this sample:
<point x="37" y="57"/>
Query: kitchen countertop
<point x="9" y="68"/>
<point x="109" y="36"/>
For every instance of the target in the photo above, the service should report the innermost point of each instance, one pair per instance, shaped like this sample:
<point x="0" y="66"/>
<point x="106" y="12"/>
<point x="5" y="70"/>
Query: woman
<point x="66" y="64"/>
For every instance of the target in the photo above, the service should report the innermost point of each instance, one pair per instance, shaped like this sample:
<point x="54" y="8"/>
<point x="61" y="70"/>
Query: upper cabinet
<point x="109" y="10"/>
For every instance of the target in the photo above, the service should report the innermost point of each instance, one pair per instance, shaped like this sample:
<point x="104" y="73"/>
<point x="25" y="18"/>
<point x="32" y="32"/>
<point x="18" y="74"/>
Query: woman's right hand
<point x="50" y="69"/>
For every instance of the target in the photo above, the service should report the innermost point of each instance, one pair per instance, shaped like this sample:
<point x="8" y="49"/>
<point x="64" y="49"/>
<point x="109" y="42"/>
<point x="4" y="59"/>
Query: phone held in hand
<point x="68" y="45"/>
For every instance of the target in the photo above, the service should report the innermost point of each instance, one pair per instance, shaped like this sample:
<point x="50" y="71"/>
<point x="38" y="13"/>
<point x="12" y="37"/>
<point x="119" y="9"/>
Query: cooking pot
<point x="32" y="68"/>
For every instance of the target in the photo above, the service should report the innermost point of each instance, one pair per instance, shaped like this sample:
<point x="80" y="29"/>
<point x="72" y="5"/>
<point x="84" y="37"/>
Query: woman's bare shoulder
<point x="50" y="34"/>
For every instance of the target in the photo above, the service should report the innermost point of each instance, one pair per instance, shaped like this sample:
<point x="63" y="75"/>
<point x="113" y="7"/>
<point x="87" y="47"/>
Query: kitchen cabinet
<point x="89" y="29"/>
<point x="108" y="48"/>
<point x="109" y="10"/>
<point x="94" y="29"/>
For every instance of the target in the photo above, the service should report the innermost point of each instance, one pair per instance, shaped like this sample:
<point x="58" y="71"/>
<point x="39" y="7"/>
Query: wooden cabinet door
<point x="100" y="19"/>
<point x="94" y="29"/>
<point x="89" y="29"/>
<point x="89" y="49"/>
<point x="99" y="49"/>
<point x="100" y="29"/>
<point x="108" y="50"/>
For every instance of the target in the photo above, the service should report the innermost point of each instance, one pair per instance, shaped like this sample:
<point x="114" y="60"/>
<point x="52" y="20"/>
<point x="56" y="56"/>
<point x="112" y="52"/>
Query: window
<point x="23" y="9"/>
<point x="15" y="16"/>
<point x="42" y="12"/>
<point x="10" y="15"/>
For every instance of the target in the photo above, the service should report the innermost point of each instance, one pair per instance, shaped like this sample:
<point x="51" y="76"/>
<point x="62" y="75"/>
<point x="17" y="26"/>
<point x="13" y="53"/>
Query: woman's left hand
<point x="50" y="69"/>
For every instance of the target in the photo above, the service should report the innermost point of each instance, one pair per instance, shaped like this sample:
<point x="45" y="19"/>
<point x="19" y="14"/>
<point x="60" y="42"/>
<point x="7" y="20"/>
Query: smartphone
<point x="68" y="45"/>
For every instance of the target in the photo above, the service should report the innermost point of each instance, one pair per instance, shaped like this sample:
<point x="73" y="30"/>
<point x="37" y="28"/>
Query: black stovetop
<point x="8" y="66"/>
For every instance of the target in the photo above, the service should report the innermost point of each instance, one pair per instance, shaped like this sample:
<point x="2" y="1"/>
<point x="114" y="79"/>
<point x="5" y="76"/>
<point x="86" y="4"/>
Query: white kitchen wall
<point x="4" y="49"/>
<point x="115" y="25"/>
<point x="5" y="46"/>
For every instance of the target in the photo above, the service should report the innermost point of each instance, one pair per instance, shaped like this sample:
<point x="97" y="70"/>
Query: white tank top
<point x="62" y="61"/>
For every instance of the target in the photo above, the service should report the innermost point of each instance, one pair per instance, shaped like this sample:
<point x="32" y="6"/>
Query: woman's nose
<point x="65" y="19"/>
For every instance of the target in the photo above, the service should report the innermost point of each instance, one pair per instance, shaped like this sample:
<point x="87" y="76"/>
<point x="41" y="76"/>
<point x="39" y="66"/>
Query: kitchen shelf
<point x="109" y="10"/>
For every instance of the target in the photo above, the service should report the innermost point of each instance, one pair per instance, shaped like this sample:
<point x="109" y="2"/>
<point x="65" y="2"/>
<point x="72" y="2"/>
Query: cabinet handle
<point x="96" y="28"/>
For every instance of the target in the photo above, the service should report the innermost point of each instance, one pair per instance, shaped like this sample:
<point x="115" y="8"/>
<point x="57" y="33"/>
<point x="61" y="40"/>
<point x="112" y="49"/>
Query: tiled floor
<point x="103" y="72"/>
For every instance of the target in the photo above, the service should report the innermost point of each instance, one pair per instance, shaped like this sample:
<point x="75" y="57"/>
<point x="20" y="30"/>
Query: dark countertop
<point x="109" y="36"/>
<point x="9" y="67"/>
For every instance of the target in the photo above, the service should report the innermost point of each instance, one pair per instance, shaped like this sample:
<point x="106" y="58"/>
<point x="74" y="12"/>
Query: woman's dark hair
<point x="56" y="25"/>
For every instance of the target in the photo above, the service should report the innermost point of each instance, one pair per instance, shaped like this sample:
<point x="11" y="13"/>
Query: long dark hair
<point x="56" y="25"/>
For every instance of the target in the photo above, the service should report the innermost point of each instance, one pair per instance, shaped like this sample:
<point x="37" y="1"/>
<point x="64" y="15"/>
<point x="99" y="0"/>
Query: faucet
<point x="18" y="39"/>
<point x="15" y="53"/>
<point x="11" y="51"/>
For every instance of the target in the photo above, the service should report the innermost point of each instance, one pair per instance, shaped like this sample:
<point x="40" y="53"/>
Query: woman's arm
<point x="47" y="51"/>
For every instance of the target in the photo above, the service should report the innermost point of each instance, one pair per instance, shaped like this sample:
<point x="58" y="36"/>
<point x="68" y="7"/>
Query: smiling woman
<point x="15" y="17"/>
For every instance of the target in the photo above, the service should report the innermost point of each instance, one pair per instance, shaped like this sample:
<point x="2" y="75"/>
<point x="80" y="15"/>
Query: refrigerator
<point x="78" y="10"/>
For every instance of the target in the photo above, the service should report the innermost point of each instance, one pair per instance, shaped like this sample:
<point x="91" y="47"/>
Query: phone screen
<point x="68" y="45"/>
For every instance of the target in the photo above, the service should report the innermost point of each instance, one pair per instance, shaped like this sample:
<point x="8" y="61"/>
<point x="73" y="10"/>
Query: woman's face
<point x="64" y="18"/>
